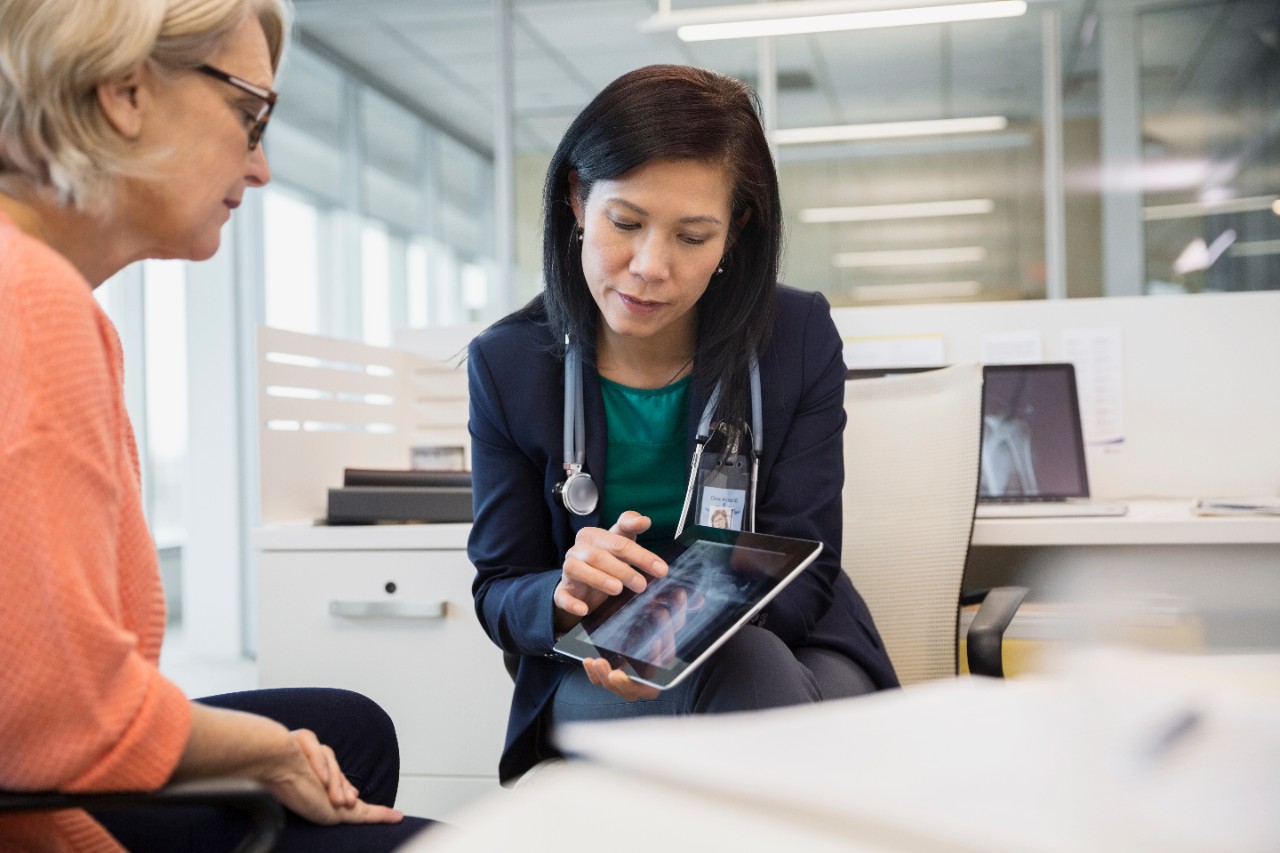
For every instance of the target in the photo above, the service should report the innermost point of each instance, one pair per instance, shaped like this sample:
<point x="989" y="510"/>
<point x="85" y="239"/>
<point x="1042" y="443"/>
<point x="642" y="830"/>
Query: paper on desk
<point x="1238" y="506"/>
<point x="919" y="350"/>
<point x="1098" y="356"/>
<point x="1013" y="348"/>
<point x="1069" y="764"/>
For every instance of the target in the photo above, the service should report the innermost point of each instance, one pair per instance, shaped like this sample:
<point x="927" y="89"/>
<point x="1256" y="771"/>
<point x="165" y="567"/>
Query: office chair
<point x="265" y="812"/>
<point x="911" y="451"/>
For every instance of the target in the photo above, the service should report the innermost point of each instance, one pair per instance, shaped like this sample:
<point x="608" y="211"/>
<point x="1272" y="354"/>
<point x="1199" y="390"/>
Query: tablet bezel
<point x="797" y="555"/>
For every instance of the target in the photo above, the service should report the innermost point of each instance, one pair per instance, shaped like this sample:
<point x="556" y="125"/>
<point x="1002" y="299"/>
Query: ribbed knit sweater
<point x="83" y="706"/>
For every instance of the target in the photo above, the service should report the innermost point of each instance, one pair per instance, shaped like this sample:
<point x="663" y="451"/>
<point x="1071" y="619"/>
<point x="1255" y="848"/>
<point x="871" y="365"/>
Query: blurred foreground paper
<point x="1099" y="757"/>
<point x="1118" y="751"/>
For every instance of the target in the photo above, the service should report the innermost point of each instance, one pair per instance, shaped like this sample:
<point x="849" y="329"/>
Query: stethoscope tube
<point x="579" y="493"/>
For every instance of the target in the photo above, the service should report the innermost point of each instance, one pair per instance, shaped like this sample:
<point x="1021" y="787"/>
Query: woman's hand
<point x="301" y="772"/>
<point x="599" y="565"/>
<point x="616" y="681"/>
<point x="309" y="783"/>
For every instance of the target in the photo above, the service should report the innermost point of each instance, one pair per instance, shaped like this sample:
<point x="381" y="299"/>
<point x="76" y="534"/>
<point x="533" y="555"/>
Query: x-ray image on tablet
<point x="717" y="580"/>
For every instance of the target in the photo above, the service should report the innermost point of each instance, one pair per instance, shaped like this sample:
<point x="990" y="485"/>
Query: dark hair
<point x="673" y="112"/>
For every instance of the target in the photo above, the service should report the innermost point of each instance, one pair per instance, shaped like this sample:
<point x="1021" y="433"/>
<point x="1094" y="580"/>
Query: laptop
<point x="1033" y="463"/>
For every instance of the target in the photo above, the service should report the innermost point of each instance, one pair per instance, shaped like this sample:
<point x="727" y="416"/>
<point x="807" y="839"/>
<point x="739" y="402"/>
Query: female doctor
<point x="661" y="247"/>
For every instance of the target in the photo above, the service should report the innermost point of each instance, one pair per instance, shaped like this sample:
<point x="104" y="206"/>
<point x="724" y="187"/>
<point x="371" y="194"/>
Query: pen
<point x="1182" y="725"/>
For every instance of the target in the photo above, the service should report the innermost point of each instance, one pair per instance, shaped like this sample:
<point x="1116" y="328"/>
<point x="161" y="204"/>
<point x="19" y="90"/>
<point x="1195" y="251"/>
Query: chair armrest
<point x="263" y="809"/>
<point x="985" y="640"/>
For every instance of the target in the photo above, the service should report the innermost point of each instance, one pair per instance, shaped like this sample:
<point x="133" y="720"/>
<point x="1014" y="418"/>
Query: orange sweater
<point x="83" y="706"/>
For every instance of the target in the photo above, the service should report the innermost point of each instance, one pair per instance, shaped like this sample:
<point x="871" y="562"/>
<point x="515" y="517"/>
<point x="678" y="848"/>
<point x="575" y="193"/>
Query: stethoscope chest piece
<point x="580" y="495"/>
<point x="578" y="492"/>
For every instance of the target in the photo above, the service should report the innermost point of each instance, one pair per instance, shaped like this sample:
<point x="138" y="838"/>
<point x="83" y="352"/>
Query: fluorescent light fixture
<point x="921" y="290"/>
<point x="916" y="210"/>
<point x="888" y="130"/>
<point x="1255" y="248"/>
<point x="1203" y="208"/>
<point x="911" y="257"/>
<point x="798" y="18"/>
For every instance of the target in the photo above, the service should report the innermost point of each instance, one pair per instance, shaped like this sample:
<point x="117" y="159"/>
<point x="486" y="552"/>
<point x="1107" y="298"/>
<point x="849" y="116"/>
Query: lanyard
<point x="581" y="496"/>
<point x="731" y="450"/>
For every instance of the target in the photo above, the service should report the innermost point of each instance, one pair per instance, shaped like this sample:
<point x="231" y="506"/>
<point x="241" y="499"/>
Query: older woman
<point x="129" y="129"/>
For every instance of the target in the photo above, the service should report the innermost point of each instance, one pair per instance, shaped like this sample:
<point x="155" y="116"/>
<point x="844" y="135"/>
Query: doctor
<point x="660" y="253"/>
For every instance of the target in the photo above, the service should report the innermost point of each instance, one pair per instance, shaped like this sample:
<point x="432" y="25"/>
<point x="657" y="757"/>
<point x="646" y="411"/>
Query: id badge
<point x="722" y="491"/>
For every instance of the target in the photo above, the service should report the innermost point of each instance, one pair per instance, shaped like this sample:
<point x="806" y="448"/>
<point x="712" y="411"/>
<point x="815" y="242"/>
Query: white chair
<point x="911" y="450"/>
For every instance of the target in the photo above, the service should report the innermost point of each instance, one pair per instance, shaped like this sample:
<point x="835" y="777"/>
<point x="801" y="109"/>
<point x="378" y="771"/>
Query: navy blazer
<point x="521" y="531"/>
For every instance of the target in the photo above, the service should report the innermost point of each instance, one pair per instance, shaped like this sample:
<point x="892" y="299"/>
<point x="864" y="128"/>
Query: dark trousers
<point x="753" y="670"/>
<point x="360" y="733"/>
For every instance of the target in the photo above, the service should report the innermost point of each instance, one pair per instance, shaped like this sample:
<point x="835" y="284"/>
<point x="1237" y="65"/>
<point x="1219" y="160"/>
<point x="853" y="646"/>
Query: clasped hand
<point x="599" y="565"/>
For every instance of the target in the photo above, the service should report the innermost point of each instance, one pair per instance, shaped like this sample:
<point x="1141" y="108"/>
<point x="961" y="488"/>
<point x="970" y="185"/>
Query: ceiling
<point x="438" y="57"/>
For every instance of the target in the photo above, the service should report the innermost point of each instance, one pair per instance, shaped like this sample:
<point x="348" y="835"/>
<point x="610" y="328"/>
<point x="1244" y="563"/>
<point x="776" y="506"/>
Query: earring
<point x="576" y="236"/>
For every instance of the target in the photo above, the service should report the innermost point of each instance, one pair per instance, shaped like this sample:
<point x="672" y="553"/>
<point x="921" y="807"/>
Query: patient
<point x="129" y="129"/>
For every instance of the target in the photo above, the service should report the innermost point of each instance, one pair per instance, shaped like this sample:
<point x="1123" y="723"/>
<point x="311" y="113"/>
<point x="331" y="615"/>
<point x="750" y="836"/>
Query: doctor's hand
<point x="616" y="681"/>
<point x="599" y="565"/>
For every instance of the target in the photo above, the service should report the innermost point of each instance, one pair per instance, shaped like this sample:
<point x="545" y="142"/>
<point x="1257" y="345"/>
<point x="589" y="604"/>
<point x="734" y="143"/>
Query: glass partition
<point x="1211" y="146"/>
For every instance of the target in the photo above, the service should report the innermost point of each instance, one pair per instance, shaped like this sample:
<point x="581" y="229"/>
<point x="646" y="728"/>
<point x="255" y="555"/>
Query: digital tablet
<point x="717" y="580"/>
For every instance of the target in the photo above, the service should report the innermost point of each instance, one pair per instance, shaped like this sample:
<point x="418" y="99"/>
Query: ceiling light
<point x="911" y="257"/>
<point x="797" y="18"/>
<point x="921" y="290"/>
<point x="888" y="130"/>
<point x="916" y="210"/>
<point x="1203" y="208"/>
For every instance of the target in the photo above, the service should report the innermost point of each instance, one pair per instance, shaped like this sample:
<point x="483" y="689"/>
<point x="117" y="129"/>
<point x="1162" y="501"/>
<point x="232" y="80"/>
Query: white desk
<point x="1148" y="523"/>
<point x="1224" y="570"/>
<point x="387" y="611"/>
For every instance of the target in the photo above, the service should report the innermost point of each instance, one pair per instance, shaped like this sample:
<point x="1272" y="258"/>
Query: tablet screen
<point x="717" y="580"/>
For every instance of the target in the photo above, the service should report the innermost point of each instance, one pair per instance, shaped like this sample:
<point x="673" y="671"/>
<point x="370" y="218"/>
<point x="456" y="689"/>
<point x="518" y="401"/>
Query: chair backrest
<point x="911" y="451"/>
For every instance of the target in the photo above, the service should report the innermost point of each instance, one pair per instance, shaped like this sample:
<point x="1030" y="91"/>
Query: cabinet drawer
<point x="328" y="619"/>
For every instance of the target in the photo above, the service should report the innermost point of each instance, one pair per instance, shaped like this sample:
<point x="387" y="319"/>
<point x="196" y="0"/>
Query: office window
<point x="165" y="452"/>
<point x="166" y="397"/>
<point x="393" y="168"/>
<point x="375" y="284"/>
<point x="147" y="304"/>
<point x="418" y="284"/>
<point x="1210" y="78"/>
<point x="462" y="230"/>
<point x="949" y="205"/>
<point x="307" y="144"/>
<point x="291" y="243"/>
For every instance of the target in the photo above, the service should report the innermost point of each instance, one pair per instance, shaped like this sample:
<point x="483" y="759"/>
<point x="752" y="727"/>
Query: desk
<point x="1148" y="523"/>
<point x="387" y="611"/>
<point x="1226" y="568"/>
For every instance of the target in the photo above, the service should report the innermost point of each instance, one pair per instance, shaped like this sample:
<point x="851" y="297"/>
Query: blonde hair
<point x="53" y="55"/>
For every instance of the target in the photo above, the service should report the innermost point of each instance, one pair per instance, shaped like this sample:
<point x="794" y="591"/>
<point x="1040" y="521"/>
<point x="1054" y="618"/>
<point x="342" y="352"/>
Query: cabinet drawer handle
<point x="389" y="609"/>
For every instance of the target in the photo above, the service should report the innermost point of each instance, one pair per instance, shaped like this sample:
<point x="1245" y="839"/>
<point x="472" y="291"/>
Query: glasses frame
<point x="266" y="95"/>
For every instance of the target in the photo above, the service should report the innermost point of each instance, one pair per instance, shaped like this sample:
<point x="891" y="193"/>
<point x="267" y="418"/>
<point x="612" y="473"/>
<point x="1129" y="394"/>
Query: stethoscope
<point x="580" y="494"/>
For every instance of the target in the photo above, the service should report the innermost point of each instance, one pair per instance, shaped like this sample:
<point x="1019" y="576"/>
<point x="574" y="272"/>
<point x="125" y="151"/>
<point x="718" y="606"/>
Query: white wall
<point x="1200" y="381"/>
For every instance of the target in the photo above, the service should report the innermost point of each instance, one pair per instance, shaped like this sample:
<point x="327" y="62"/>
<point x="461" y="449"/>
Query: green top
<point x="646" y="468"/>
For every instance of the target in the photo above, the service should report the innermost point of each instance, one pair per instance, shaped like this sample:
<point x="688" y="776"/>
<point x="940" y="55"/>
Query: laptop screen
<point x="1032" y="440"/>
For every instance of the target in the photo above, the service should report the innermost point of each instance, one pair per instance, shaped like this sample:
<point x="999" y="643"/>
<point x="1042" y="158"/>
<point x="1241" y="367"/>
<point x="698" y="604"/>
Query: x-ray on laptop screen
<point x="1032" y="443"/>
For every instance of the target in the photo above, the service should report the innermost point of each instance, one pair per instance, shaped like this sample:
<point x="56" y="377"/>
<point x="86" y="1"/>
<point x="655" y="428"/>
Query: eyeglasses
<point x="267" y="96"/>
